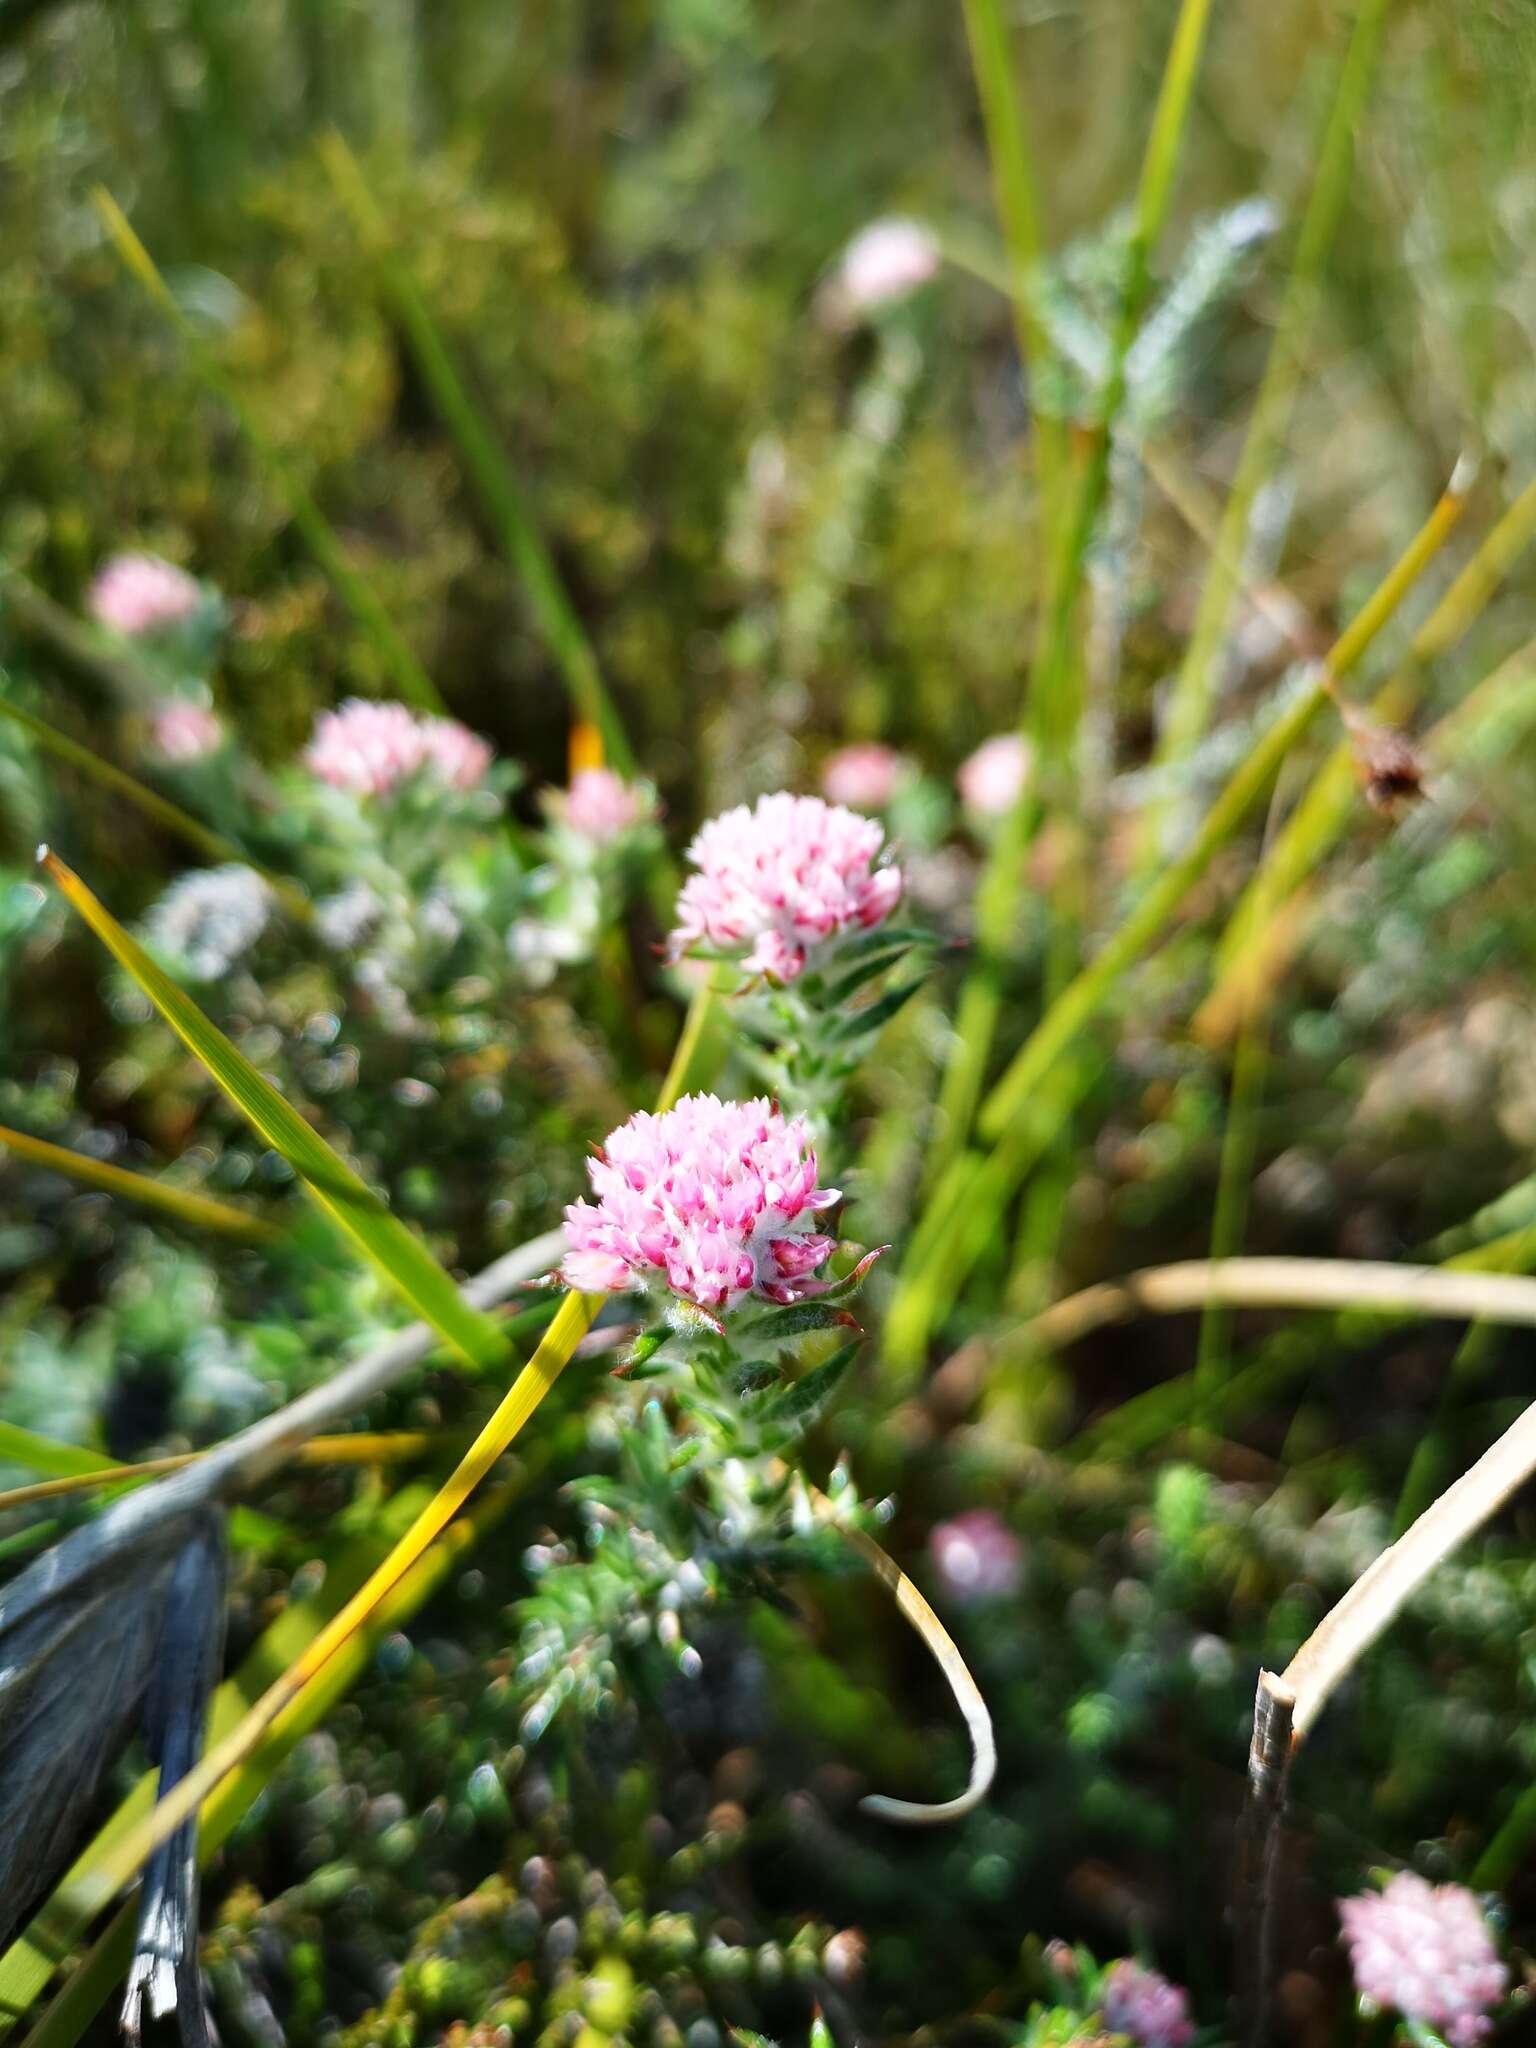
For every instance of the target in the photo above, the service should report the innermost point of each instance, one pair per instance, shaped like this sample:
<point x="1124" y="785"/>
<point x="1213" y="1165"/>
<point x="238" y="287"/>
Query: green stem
<point x="1190" y="701"/>
<point x="354" y="589"/>
<point x="487" y="467"/>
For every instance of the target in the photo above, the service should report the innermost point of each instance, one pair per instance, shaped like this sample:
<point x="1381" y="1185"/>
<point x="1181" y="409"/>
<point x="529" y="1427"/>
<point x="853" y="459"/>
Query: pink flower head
<point x="1425" y="1951"/>
<point x="864" y="777"/>
<point x="992" y="780"/>
<point x="888" y="260"/>
<point x="1143" y="2005"/>
<point x="139" y="594"/>
<point x="600" y="805"/>
<point x="976" y="1556"/>
<point x="371" y="749"/>
<point x="182" y="732"/>
<point x="714" y="1200"/>
<point x="789" y="874"/>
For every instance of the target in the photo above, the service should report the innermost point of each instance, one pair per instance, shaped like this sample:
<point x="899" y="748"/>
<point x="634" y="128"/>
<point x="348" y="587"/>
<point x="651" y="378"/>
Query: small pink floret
<point x="714" y="1201"/>
<point x="1143" y="2005"/>
<point x="600" y="805"/>
<point x="1425" y="1951"/>
<point x="992" y="780"/>
<point x="886" y="261"/>
<point x="779" y="879"/>
<point x="139" y="594"/>
<point x="182" y="732"/>
<point x="976" y="1556"/>
<point x="865" y="777"/>
<point x="371" y="749"/>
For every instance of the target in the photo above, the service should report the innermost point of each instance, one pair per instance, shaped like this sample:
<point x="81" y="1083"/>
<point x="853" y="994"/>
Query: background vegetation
<point x="770" y="536"/>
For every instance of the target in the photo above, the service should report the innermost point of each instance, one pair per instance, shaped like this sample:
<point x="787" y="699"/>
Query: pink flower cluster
<point x="1143" y="2005"/>
<point x="139" y="594"/>
<point x="888" y="260"/>
<point x="992" y="780"/>
<point x="600" y="805"/>
<point x="977" y="1556"/>
<point x="788" y="875"/>
<point x="371" y="749"/>
<point x="865" y="776"/>
<point x="183" y="732"/>
<point x="1425" y="1951"/>
<point x="714" y="1200"/>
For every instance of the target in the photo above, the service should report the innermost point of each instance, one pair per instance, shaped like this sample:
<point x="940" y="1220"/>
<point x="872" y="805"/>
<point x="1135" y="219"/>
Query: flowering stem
<point x="558" y="1345"/>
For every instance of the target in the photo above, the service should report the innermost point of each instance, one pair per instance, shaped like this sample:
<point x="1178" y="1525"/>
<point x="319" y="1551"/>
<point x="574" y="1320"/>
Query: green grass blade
<point x="354" y="589"/>
<point x="1324" y="812"/>
<point x="47" y="1454"/>
<point x="399" y="1255"/>
<point x="1190" y="699"/>
<point x="1018" y="206"/>
<point x="1021" y="1116"/>
<point x="200" y="1212"/>
<point x="160" y="810"/>
<point x="1052" y="711"/>
<point x="484" y="462"/>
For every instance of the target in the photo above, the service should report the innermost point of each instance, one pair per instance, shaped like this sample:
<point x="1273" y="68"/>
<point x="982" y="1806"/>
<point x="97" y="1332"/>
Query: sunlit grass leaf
<point x="181" y="1204"/>
<point x="399" y="1255"/>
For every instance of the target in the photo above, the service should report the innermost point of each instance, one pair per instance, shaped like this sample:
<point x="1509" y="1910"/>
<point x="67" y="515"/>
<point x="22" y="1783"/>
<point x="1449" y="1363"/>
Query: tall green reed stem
<point x="1190" y="703"/>
<point x="486" y="466"/>
<point x="970" y="1199"/>
<point x="1051" y="711"/>
<point x="1323" y="814"/>
<point x="354" y="589"/>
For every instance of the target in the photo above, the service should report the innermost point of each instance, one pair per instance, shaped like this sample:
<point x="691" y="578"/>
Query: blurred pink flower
<point x="138" y="594"/>
<point x="992" y="779"/>
<point x="372" y="748"/>
<point x="600" y="805"/>
<point x="884" y="262"/>
<point x="865" y="777"/>
<point x="1425" y="1951"/>
<point x="714" y="1200"/>
<point x="789" y="874"/>
<point x="1143" y="2005"/>
<point x="976" y="1556"/>
<point x="182" y="732"/>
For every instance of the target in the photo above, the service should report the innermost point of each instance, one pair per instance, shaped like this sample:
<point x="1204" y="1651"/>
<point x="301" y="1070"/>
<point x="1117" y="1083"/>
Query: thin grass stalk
<point x="1249" y="947"/>
<point x="1050" y="711"/>
<point x="198" y="1212"/>
<point x="1005" y="117"/>
<point x="1087" y="994"/>
<point x="388" y="1447"/>
<point x="1355" y="1284"/>
<point x="1239" y="1141"/>
<point x="484" y="462"/>
<point x="354" y="589"/>
<point x="572" y="1321"/>
<point x="1190" y="701"/>
<point x="976" y="1188"/>
<point x="73" y="645"/>
<point x="158" y="809"/>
